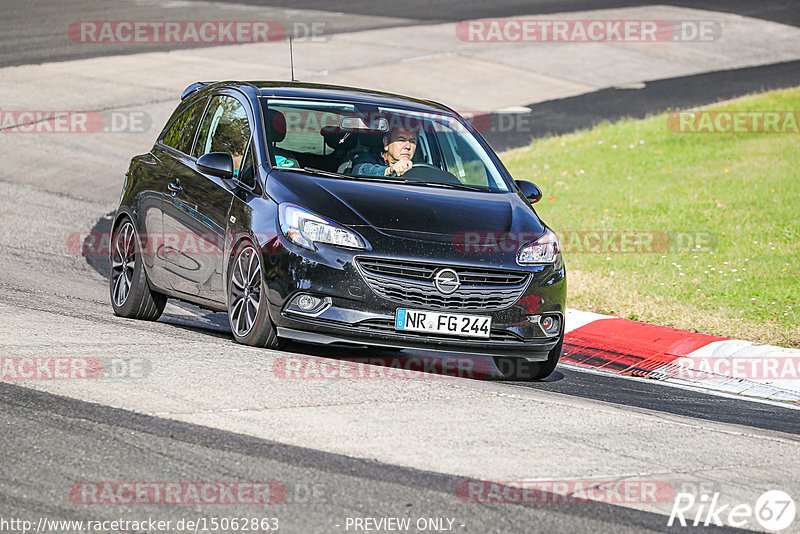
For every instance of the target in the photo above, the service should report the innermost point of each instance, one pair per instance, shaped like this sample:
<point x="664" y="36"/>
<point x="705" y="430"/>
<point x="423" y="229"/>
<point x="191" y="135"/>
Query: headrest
<point x="334" y="138"/>
<point x="276" y="125"/>
<point x="372" y="140"/>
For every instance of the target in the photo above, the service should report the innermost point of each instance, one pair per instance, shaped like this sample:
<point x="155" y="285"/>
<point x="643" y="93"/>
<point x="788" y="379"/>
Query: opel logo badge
<point x="447" y="281"/>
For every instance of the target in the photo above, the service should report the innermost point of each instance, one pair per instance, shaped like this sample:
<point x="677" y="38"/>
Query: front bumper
<point x="357" y="315"/>
<point x="373" y="333"/>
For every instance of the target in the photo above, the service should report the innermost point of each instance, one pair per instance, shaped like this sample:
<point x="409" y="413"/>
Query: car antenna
<point x="291" y="58"/>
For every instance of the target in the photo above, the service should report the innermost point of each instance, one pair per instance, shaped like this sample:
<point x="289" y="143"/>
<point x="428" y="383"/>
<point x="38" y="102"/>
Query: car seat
<point x="276" y="132"/>
<point x="343" y="144"/>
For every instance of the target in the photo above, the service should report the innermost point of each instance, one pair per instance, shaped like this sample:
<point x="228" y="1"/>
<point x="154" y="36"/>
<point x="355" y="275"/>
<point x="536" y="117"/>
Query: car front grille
<point x="412" y="284"/>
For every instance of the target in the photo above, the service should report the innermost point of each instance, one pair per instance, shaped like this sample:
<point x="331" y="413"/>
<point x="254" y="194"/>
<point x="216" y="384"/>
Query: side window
<point x="460" y="160"/>
<point x="224" y="129"/>
<point x="180" y="133"/>
<point x="423" y="153"/>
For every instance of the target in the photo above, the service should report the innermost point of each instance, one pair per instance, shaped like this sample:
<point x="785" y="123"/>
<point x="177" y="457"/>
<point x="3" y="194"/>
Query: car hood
<point x="407" y="210"/>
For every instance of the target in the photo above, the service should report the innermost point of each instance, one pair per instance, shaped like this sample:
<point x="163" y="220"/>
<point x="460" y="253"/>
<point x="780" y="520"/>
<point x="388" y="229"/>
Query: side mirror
<point x="219" y="164"/>
<point x="530" y="190"/>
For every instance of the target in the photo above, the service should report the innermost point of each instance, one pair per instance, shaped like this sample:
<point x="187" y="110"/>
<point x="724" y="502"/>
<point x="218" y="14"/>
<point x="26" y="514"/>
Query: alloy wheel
<point x="123" y="263"/>
<point x="245" y="296"/>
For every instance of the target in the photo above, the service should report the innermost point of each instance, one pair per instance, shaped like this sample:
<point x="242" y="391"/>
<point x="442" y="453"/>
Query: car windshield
<point x="358" y="141"/>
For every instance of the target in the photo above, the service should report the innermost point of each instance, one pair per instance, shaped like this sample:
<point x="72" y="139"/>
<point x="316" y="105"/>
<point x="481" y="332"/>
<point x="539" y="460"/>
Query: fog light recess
<point x="550" y="324"/>
<point x="307" y="304"/>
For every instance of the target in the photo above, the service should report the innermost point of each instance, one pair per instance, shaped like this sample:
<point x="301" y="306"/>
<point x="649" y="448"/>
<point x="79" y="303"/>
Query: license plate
<point x="443" y="323"/>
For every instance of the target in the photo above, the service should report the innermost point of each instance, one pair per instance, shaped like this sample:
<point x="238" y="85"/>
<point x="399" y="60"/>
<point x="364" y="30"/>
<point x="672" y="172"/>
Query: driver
<point x="399" y="146"/>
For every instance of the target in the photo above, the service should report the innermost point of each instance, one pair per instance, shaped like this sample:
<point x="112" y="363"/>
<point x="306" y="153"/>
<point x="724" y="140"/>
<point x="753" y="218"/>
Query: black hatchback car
<point x="336" y="215"/>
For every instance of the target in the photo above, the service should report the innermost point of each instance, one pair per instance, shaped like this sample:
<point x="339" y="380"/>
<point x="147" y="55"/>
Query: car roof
<point x="282" y="89"/>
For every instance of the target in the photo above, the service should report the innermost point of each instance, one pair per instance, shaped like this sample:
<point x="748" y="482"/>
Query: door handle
<point x="174" y="187"/>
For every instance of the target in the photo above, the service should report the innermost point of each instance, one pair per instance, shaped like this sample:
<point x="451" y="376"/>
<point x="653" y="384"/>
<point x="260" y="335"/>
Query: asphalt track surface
<point x="102" y="442"/>
<point x="33" y="30"/>
<point x="50" y="440"/>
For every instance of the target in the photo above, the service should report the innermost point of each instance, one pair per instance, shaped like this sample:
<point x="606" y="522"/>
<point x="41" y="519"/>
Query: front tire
<point x="131" y="295"/>
<point x="522" y="369"/>
<point x="248" y="312"/>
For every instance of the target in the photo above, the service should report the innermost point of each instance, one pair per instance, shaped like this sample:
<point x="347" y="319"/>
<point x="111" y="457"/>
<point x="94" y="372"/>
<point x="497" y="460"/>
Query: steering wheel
<point x="425" y="172"/>
<point x="421" y="164"/>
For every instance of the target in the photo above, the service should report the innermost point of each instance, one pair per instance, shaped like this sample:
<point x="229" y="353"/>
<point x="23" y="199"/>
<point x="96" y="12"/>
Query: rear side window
<point x="180" y="133"/>
<point x="303" y="130"/>
<point x="224" y="129"/>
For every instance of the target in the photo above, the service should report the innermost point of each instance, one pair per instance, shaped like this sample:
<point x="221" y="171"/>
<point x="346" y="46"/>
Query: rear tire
<point x="130" y="291"/>
<point x="248" y="313"/>
<point x="522" y="369"/>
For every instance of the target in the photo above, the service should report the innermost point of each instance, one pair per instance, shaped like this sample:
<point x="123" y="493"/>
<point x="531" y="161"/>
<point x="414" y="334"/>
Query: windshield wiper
<point x="374" y="178"/>
<point x="465" y="187"/>
<point x="313" y="170"/>
<point x="392" y="179"/>
<point x="326" y="173"/>
<point x="400" y="179"/>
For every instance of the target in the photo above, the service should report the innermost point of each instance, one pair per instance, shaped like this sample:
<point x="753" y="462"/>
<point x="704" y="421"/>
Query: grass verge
<point x="715" y="219"/>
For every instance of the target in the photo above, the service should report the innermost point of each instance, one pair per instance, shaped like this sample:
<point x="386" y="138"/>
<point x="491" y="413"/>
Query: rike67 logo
<point x="774" y="510"/>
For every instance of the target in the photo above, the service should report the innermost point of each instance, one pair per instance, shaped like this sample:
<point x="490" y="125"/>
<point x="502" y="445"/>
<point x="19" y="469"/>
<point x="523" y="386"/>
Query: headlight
<point x="546" y="249"/>
<point x="304" y="228"/>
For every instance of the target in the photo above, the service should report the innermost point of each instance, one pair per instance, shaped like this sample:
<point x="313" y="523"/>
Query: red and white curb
<point x="676" y="356"/>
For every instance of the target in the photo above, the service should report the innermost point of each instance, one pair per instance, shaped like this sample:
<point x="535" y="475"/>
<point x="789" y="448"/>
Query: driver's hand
<point x="400" y="167"/>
